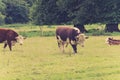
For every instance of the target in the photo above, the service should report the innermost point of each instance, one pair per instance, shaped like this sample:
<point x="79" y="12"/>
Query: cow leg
<point x="63" y="50"/>
<point x="5" y="45"/>
<point x="58" y="41"/>
<point x="61" y="45"/>
<point x="66" y="44"/>
<point x="74" y="48"/>
<point x="10" y="45"/>
<point x="58" y="44"/>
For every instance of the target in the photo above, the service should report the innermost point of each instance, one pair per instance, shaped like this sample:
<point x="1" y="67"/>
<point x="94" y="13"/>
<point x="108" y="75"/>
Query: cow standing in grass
<point x="69" y="35"/>
<point x="10" y="37"/>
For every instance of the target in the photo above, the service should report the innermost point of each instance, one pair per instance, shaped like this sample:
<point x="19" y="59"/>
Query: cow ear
<point x="86" y="37"/>
<point x="24" y="37"/>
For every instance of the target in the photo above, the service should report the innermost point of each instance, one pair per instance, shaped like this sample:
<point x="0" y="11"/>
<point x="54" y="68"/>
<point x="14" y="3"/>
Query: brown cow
<point x="112" y="41"/>
<point x="10" y="37"/>
<point x="69" y="35"/>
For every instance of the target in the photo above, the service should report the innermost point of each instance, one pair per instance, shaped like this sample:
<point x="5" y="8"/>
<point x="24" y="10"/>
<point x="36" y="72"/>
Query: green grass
<point x="40" y="59"/>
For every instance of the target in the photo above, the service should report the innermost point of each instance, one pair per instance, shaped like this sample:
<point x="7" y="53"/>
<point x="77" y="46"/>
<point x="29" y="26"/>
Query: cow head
<point x="20" y="39"/>
<point x="80" y="39"/>
<point x="108" y="39"/>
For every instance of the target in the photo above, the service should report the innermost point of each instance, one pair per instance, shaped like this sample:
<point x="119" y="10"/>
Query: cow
<point x="112" y="41"/>
<point x="10" y="37"/>
<point x="69" y="35"/>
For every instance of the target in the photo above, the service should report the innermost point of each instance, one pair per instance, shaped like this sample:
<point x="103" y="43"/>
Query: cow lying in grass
<point x="112" y="41"/>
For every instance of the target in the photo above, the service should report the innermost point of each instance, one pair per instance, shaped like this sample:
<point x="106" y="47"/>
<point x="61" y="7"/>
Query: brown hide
<point x="69" y="33"/>
<point x="7" y="35"/>
<point x="112" y="41"/>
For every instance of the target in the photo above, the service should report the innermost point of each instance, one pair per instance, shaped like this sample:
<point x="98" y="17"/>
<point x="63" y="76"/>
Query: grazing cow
<point x="10" y="37"/>
<point x="69" y="35"/>
<point x="112" y="41"/>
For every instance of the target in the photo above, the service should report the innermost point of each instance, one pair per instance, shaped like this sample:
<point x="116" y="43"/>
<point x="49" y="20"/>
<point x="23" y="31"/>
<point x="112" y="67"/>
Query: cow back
<point x="3" y="35"/>
<point x="11" y="35"/>
<point x="7" y="34"/>
<point x="67" y="32"/>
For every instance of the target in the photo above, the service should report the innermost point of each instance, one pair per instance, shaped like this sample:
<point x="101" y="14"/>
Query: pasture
<point x="40" y="59"/>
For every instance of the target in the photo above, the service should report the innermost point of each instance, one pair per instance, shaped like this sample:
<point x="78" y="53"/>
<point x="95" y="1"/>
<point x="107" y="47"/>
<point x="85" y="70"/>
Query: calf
<point x="112" y="41"/>
<point x="69" y="35"/>
<point x="10" y="37"/>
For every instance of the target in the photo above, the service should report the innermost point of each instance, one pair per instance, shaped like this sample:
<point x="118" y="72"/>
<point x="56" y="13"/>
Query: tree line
<point x="50" y="12"/>
<point x="15" y="11"/>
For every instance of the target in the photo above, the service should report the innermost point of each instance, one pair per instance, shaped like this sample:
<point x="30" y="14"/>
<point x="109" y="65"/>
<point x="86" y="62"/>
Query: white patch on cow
<point x="78" y="31"/>
<point x="20" y="39"/>
<point x="59" y="39"/>
<point x="107" y="40"/>
<point x="73" y="42"/>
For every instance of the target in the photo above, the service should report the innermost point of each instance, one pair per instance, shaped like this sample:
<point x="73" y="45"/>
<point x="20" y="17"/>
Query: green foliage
<point x="48" y="12"/>
<point x="111" y="11"/>
<point x="16" y="11"/>
<point x="30" y="30"/>
<point x="115" y="34"/>
<point x="94" y="32"/>
<point x="48" y="33"/>
<point x="77" y="11"/>
<point x="37" y="33"/>
<point x="16" y="26"/>
<point x="30" y="2"/>
<point x="2" y="7"/>
<point x="2" y="12"/>
<point x="2" y="17"/>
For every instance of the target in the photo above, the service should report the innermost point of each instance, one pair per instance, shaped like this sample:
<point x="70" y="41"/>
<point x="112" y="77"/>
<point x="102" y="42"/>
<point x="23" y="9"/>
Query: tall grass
<point x="30" y="30"/>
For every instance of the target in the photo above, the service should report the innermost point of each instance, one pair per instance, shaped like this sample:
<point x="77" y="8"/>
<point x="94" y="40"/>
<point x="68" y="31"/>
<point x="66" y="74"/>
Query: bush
<point x="37" y="33"/>
<point x="48" y="33"/>
<point x="8" y="20"/>
<point x="95" y="32"/>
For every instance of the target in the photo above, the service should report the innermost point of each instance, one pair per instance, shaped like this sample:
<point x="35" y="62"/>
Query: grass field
<point x="40" y="59"/>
